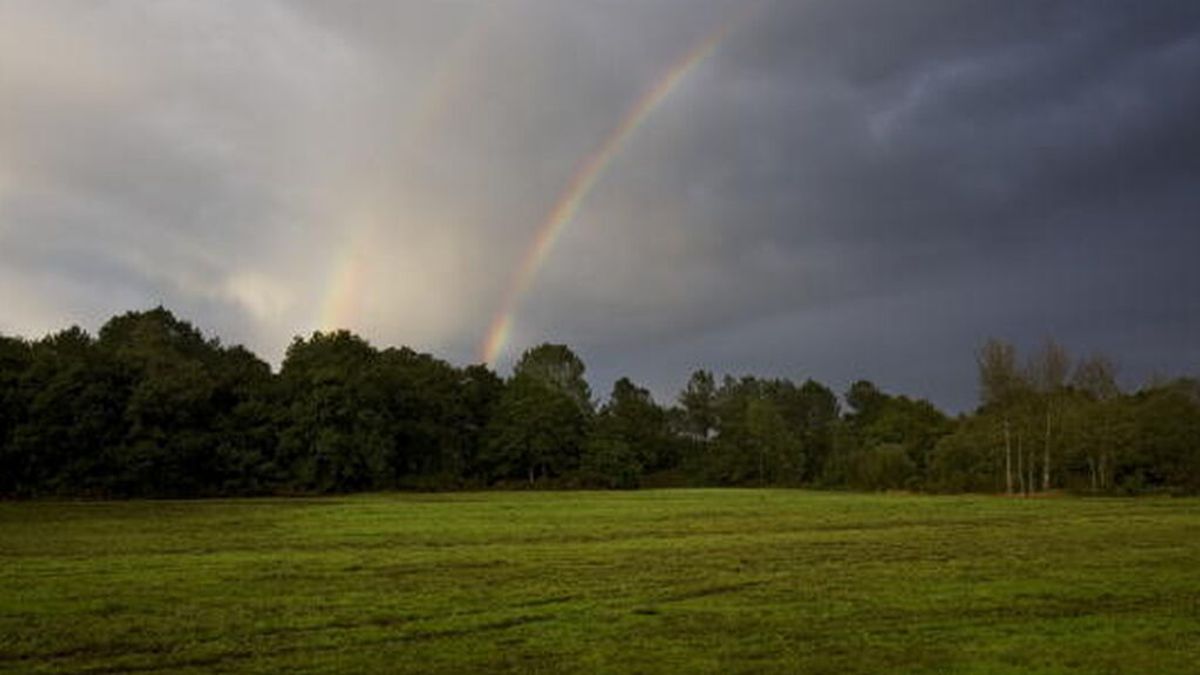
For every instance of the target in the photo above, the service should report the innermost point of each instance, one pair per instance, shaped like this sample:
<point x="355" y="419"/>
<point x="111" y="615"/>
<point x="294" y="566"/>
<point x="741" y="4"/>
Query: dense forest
<point x="152" y="407"/>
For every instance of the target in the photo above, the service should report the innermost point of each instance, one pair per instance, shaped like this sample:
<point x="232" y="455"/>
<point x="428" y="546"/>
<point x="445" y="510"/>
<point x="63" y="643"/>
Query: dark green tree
<point x="246" y="399"/>
<point x="699" y="402"/>
<point x="73" y="401"/>
<point x="16" y="355"/>
<point x="335" y="431"/>
<point x="865" y="401"/>
<point x="870" y="436"/>
<point x="479" y="393"/>
<point x="537" y="431"/>
<point x="559" y="368"/>
<point x="170" y="413"/>
<point x="760" y="429"/>
<point x="435" y="434"/>
<point x="1166" y="439"/>
<point x="629" y="437"/>
<point x="634" y="416"/>
<point x="970" y="459"/>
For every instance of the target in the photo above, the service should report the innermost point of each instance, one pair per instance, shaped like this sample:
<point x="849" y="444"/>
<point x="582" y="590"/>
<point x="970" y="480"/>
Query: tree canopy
<point x="150" y="406"/>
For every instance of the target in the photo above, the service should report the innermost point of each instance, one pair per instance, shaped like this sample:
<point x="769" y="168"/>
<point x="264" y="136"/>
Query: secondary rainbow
<point x="581" y="183"/>
<point x="340" y="305"/>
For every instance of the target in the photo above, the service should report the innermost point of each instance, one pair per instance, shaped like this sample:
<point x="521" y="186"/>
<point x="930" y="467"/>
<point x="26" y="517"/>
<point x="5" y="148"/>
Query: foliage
<point x="152" y="407"/>
<point x="538" y="430"/>
<point x="559" y="368"/>
<point x="885" y="443"/>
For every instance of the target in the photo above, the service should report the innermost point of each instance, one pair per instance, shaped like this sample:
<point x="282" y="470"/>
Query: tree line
<point x="150" y="407"/>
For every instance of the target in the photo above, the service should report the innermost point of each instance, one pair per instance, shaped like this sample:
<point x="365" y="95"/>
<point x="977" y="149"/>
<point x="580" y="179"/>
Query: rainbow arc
<point x="590" y="170"/>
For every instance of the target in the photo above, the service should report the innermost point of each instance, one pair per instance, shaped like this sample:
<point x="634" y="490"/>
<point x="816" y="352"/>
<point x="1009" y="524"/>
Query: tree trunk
<point x="1008" y="482"/>
<point x="1021" y="466"/>
<point x="1030" y="485"/>
<point x="1104" y="469"/>
<point x="1046" y="455"/>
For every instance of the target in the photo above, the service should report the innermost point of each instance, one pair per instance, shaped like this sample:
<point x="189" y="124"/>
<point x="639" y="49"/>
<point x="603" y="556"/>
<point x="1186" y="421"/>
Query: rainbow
<point x="340" y="303"/>
<point x="582" y="182"/>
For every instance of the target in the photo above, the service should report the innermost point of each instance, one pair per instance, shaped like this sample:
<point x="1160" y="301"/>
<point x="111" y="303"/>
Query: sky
<point x="830" y="189"/>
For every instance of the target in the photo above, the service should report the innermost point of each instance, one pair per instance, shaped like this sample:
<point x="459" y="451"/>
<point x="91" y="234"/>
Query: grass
<point x="671" y="580"/>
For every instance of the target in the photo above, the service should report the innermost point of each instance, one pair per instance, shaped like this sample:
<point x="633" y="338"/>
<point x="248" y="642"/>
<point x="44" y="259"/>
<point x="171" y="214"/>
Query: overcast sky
<point x="840" y="190"/>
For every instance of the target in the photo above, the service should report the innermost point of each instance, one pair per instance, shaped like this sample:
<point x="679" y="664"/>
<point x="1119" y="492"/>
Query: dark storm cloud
<point x="888" y="184"/>
<point x="842" y="190"/>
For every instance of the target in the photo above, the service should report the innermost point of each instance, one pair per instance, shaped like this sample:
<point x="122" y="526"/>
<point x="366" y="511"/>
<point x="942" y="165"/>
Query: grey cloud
<point x="842" y="189"/>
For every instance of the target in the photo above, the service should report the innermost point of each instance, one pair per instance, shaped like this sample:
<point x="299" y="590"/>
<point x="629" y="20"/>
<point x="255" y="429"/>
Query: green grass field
<point x="671" y="580"/>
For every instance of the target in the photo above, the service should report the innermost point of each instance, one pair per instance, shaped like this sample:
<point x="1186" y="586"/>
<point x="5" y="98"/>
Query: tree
<point x="538" y="430"/>
<point x="778" y="451"/>
<point x="640" y="422"/>
<point x="479" y="393"/>
<point x="246" y="400"/>
<point x="152" y="407"/>
<point x="967" y="460"/>
<point x="198" y="417"/>
<point x="698" y="401"/>
<point x="1002" y="387"/>
<point x="1167" y="433"/>
<point x="865" y="400"/>
<point x="815" y="413"/>
<point x="73" y="403"/>
<point x="434" y="435"/>
<point x="609" y="462"/>
<point x="760" y="430"/>
<point x="559" y="368"/>
<point x="15" y="358"/>
<point x="541" y="419"/>
<point x="882" y="467"/>
<point x="912" y="424"/>
<point x="1095" y="378"/>
<point x="335" y="433"/>
<point x="170" y="415"/>
<point x="1047" y="371"/>
<point x="1000" y="381"/>
<point x="629" y="436"/>
<point x="870" y="435"/>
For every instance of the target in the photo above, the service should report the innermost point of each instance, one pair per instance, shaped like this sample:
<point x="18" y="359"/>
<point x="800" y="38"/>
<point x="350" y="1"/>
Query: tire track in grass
<point x="244" y="654"/>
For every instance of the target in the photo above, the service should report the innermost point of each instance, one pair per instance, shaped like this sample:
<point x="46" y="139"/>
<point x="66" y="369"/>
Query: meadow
<point x="720" y="580"/>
